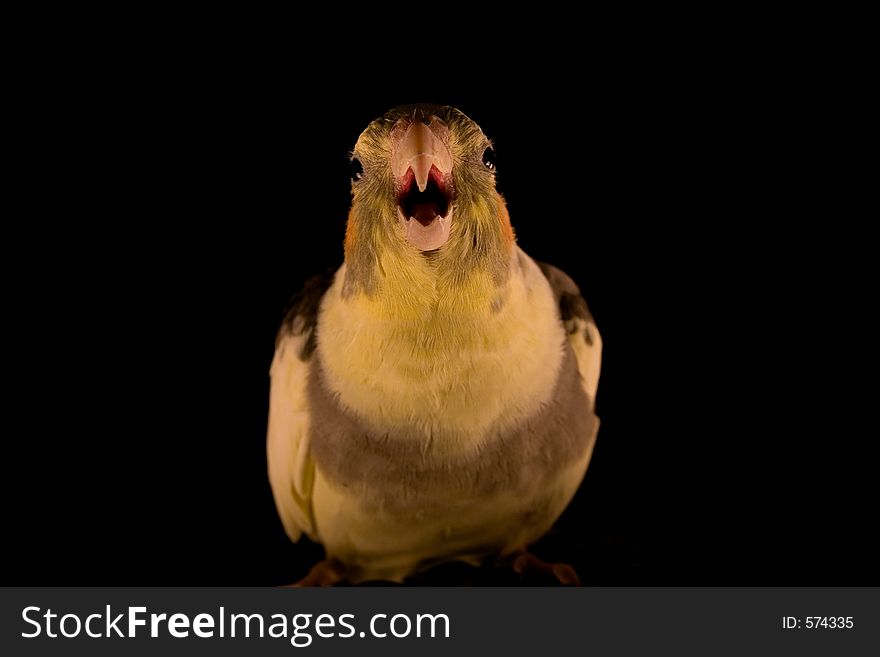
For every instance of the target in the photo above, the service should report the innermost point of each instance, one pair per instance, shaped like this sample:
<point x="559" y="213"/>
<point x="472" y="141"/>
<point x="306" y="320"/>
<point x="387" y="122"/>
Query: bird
<point x="432" y="400"/>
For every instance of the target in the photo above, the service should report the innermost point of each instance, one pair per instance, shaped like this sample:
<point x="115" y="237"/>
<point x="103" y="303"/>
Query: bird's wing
<point x="291" y="468"/>
<point x="583" y="335"/>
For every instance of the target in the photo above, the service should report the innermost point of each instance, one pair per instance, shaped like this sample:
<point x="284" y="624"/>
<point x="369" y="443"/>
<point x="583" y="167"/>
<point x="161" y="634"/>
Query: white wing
<point x="583" y="335"/>
<point x="291" y="469"/>
<point x="587" y="345"/>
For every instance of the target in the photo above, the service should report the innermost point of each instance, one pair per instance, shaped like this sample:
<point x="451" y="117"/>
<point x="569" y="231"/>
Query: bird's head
<point x="425" y="203"/>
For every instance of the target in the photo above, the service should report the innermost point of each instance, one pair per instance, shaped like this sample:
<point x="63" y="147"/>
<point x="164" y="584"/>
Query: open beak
<point x="422" y="165"/>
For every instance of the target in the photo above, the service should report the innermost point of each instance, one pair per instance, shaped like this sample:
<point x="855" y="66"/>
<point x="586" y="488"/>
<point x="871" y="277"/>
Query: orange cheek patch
<point x="506" y="228"/>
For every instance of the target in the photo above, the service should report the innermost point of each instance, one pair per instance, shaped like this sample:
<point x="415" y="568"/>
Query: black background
<point x="172" y="209"/>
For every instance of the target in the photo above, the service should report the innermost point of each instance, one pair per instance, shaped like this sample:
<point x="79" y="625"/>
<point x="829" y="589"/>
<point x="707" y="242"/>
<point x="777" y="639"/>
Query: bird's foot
<point x="524" y="562"/>
<point x="328" y="572"/>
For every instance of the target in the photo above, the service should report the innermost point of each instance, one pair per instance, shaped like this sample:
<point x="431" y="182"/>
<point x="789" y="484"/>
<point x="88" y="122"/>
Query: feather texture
<point x="418" y="475"/>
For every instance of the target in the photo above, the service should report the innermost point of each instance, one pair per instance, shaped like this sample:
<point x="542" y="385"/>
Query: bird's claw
<point x="524" y="562"/>
<point x="326" y="573"/>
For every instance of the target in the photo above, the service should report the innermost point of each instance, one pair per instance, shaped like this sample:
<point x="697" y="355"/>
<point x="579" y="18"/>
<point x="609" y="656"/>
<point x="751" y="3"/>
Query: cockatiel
<point x="434" y="399"/>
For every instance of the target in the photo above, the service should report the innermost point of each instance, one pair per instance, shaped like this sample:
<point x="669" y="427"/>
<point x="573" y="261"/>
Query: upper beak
<point x="419" y="147"/>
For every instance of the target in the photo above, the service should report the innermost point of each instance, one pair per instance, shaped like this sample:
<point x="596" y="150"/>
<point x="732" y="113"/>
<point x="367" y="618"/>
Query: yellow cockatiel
<point x="434" y="399"/>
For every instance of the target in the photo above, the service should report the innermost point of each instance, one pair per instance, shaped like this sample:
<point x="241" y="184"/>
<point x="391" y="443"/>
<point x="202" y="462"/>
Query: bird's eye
<point x="489" y="158"/>
<point x="357" y="169"/>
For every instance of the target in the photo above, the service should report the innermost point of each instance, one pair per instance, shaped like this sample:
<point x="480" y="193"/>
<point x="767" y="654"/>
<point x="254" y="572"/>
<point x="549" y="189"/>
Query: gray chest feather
<point x="393" y="471"/>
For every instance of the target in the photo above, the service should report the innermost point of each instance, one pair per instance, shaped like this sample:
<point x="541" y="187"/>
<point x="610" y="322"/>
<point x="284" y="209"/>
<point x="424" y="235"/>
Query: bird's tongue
<point x="425" y="213"/>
